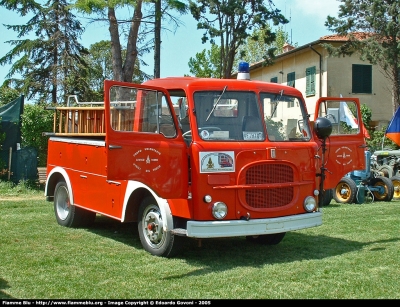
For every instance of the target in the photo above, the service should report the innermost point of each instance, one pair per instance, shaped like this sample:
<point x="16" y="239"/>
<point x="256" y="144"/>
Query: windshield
<point x="285" y="117"/>
<point x="237" y="116"/>
<point x="229" y="115"/>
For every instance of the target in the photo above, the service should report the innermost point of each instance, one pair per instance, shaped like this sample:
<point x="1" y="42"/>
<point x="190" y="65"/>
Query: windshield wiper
<point x="216" y="103"/>
<point x="276" y="101"/>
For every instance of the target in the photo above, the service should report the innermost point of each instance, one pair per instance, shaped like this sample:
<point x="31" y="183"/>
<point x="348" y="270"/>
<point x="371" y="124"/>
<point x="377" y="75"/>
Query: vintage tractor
<point x="387" y="162"/>
<point x="359" y="186"/>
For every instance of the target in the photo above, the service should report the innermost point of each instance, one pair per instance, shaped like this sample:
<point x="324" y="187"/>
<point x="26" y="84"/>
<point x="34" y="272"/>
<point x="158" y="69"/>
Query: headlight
<point x="219" y="210"/>
<point x="310" y="204"/>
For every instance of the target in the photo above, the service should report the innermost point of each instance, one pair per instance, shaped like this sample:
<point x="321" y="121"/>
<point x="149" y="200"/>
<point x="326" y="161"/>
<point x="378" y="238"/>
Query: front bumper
<point x="218" y="229"/>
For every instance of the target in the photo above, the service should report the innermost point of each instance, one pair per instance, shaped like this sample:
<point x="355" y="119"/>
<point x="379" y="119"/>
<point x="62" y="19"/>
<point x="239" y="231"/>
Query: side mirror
<point x="323" y="128"/>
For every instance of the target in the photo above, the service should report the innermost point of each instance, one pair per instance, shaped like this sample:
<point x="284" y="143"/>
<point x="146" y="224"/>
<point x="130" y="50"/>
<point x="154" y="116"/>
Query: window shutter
<point x="290" y="79"/>
<point x="310" y="81"/>
<point x="362" y="79"/>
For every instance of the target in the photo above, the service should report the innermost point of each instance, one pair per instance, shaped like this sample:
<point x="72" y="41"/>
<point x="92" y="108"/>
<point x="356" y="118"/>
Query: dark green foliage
<point x="48" y="62"/>
<point x="206" y="64"/>
<point x="8" y="94"/>
<point x="36" y="120"/>
<point x="229" y="23"/>
<point x="377" y="138"/>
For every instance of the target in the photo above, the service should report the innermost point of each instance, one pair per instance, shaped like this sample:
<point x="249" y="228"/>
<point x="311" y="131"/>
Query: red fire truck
<point x="200" y="158"/>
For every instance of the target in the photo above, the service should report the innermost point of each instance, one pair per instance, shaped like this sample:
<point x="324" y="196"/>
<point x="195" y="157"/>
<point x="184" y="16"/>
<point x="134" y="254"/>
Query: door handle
<point x="114" y="147"/>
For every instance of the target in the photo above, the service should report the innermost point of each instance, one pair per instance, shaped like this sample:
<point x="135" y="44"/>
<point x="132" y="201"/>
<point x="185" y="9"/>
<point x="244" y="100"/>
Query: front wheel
<point x="154" y="239"/>
<point x="387" y="190"/>
<point x="345" y="191"/>
<point x="270" y="239"/>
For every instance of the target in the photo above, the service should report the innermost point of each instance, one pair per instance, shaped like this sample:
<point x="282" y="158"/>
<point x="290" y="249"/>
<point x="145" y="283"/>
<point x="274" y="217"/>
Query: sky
<point x="307" y="18"/>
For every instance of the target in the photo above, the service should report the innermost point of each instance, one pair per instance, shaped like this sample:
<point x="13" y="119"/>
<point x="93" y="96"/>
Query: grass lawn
<point x="354" y="254"/>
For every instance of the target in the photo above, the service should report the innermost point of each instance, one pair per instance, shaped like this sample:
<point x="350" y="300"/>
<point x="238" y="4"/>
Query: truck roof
<point x="171" y="83"/>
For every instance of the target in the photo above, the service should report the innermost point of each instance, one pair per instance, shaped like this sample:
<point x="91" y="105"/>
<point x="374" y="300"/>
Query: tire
<point x="270" y="239"/>
<point x="152" y="236"/>
<point x="345" y="191"/>
<point x="387" y="195"/>
<point x="66" y="213"/>
<point x="327" y="198"/>
<point x="396" y="187"/>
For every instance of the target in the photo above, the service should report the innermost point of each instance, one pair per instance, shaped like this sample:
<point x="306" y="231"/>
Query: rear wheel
<point x="396" y="186"/>
<point x="154" y="239"/>
<point x="345" y="191"/>
<point x="66" y="213"/>
<point x="388" y="190"/>
<point x="270" y="239"/>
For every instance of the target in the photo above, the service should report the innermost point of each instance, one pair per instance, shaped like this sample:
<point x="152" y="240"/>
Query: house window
<point x="274" y="80"/>
<point x="290" y="79"/>
<point x="362" y="79"/>
<point x="310" y="81"/>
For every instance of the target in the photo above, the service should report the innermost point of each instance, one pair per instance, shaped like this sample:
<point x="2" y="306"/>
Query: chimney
<point x="287" y="47"/>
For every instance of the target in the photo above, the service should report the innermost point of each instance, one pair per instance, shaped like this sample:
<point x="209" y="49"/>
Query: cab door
<point x="142" y="140"/>
<point x="345" y="147"/>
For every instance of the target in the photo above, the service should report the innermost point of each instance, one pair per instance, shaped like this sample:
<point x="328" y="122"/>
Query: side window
<point x="140" y="110"/>
<point x="343" y="116"/>
<point x="165" y="120"/>
<point x="122" y="108"/>
<point x="310" y="81"/>
<point x="156" y="116"/>
<point x="362" y="79"/>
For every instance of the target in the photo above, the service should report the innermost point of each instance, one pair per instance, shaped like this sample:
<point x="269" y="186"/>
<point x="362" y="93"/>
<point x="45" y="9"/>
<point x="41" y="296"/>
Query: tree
<point x="36" y="120"/>
<point x="373" y="31"/>
<point x="8" y="94"/>
<point x="123" y="67"/>
<point x="99" y="60"/>
<point x="253" y="50"/>
<point x="206" y="63"/>
<point x="230" y="21"/>
<point x="45" y="62"/>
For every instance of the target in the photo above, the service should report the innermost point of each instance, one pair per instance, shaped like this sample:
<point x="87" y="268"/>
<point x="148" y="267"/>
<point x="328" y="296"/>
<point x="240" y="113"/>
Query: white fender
<point x="161" y="202"/>
<point x="63" y="172"/>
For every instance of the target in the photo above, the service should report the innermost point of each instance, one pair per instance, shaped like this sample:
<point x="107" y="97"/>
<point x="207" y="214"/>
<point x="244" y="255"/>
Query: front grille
<point x="265" y="174"/>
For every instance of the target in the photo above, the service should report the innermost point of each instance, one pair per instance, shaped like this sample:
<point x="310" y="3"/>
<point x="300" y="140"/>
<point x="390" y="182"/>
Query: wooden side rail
<point x="78" y="121"/>
<point x="89" y="121"/>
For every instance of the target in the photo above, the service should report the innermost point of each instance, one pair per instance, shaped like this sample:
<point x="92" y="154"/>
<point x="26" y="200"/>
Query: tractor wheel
<point x="396" y="185"/>
<point x="387" y="184"/>
<point x="345" y="191"/>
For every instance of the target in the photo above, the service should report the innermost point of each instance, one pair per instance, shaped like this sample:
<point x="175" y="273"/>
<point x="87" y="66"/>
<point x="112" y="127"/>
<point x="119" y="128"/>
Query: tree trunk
<point x="115" y="45"/>
<point x="157" y="39"/>
<point x="131" y="48"/>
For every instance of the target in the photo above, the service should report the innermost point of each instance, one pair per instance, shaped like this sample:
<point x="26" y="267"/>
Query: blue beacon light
<point x="243" y="71"/>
